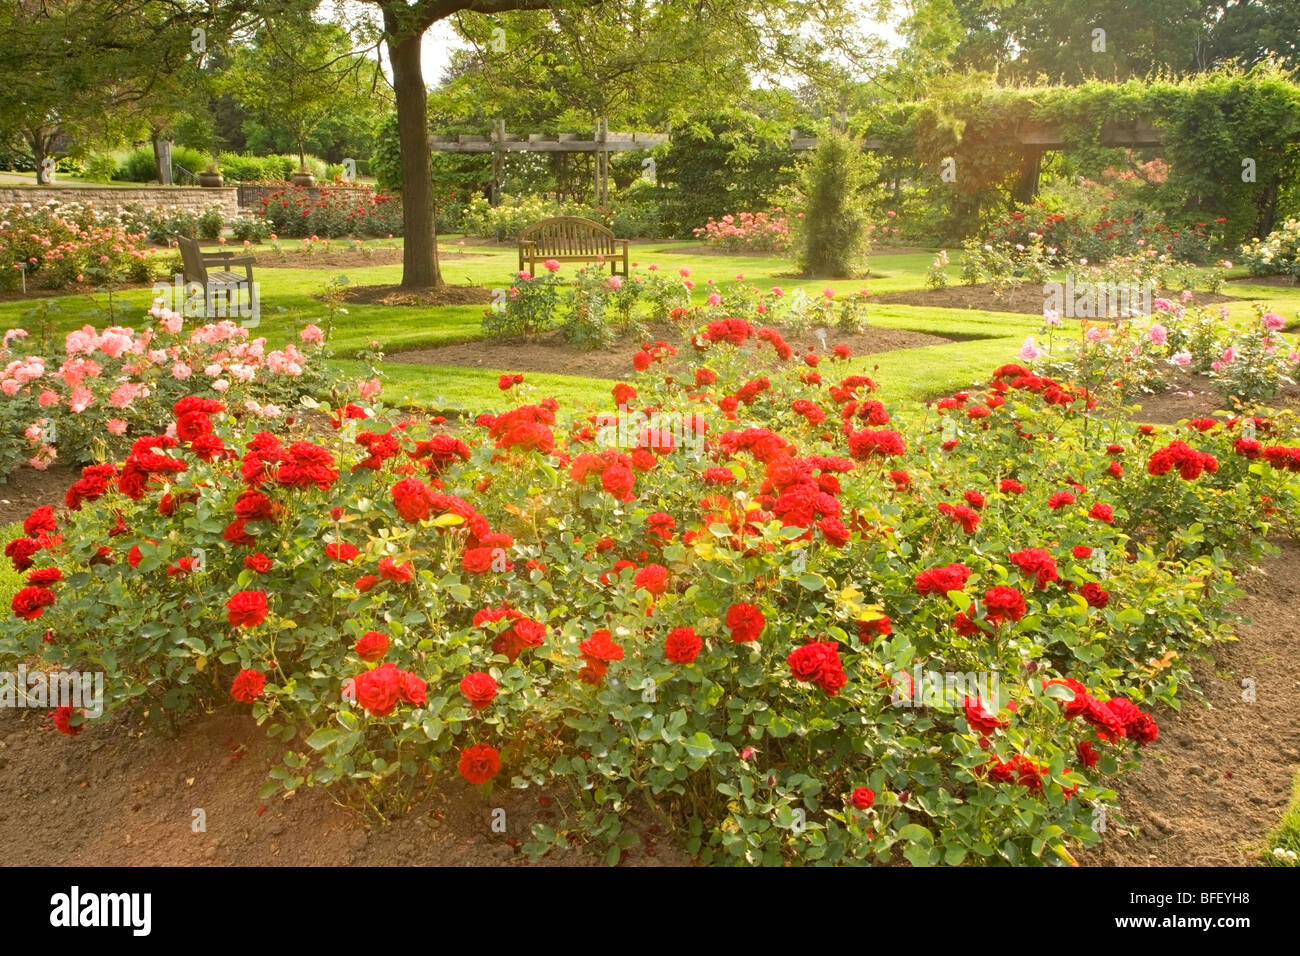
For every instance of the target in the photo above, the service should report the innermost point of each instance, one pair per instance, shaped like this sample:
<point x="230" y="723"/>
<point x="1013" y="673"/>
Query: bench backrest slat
<point x="192" y="260"/>
<point x="569" y="235"/>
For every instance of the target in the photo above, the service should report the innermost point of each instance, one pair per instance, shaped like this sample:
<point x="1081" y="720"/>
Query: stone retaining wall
<point x="155" y="197"/>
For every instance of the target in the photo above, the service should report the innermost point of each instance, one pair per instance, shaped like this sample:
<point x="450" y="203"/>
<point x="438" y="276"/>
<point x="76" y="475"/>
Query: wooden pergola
<point x="1034" y="140"/>
<point x="600" y="145"/>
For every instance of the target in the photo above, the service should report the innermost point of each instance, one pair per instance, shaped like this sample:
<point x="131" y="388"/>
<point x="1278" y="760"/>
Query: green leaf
<point x="323" y="738"/>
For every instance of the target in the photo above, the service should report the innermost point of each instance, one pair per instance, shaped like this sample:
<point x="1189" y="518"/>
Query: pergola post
<point x="498" y="159"/>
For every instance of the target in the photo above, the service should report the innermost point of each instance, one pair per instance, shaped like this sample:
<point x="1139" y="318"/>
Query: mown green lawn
<point x="288" y="302"/>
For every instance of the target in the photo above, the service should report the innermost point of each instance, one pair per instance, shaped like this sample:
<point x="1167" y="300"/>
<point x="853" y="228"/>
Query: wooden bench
<point x="571" y="239"/>
<point x="220" y="282"/>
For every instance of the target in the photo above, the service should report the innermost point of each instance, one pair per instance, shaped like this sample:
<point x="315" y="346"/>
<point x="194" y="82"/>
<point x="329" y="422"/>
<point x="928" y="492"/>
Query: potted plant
<point x="303" y="176"/>
<point x="211" y="176"/>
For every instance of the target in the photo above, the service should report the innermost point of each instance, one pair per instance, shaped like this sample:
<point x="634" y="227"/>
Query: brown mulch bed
<point x="340" y="256"/>
<point x="396" y="295"/>
<point x="550" y="353"/>
<point x="1026" y="300"/>
<point x="1196" y="396"/>
<point x="27" y="489"/>
<point x="114" y="796"/>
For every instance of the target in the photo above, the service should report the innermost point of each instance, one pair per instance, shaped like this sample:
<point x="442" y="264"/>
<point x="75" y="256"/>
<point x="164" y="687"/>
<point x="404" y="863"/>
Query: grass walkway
<point x="288" y="303"/>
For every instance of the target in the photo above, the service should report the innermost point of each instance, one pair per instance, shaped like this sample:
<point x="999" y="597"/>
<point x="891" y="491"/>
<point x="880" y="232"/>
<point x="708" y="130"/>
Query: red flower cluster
<point x="942" y="580"/>
<point x="479" y="764"/>
<point x="1178" y="454"/>
<point x="522" y="633"/>
<point x="479" y="688"/>
<point x="379" y="689"/>
<point x="1115" y="719"/>
<point x="1037" y="563"/>
<point x="962" y="515"/>
<point x="247" y="686"/>
<point x="819" y="663"/>
<point x="868" y="444"/>
<point x="598" y="651"/>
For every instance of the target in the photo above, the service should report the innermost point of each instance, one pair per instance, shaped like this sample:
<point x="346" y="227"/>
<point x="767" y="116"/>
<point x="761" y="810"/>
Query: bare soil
<point x="1196" y="396"/>
<point x="27" y="489"/>
<point x="1218" y="778"/>
<point x="1026" y="300"/>
<point x="342" y="256"/>
<point x="550" y="353"/>
<point x="396" y="295"/>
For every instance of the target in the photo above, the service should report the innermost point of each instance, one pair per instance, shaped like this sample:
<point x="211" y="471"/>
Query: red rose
<point x="682" y="645"/>
<point x="1036" y="562"/>
<point x="247" y="686"/>
<point x="246" y="608"/>
<point x="1011" y="487"/>
<point x="818" y="663"/>
<point x="653" y="577"/>
<point x="30" y="602"/>
<point x="479" y="689"/>
<point x="979" y="717"/>
<point x="413" y="499"/>
<point x="1004" y="603"/>
<point x="39" y="522"/>
<point x="1081" y="551"/>
<point x="378" y="689"/>
<point x="942" y="580"/>
<point x="1087" y="755"/>
<point x="342" y="551"/>
<point x="1060" y="500"/>
<point x="1102" y="512"/>
<point x="43" y="576"/>
<point x="62" y="718"/>
<point x="412" y="689"/>
<point x="745" y="621"/>
<point x="258" y="562"/>
<point x="618" y="480"/>
<point x="366" y="582"/>
<point x="1092" y="593"/>
<point x="863" y="798"/>
<point x="371" y="646"/>
<point x="479" y="763"/>
<point x="20" y="551"/>
<point x="392" y="571"/>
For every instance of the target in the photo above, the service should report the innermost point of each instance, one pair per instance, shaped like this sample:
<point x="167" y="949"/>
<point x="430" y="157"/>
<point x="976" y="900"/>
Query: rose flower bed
<point x="108" y="387"/>
<point x="732" y="640"/>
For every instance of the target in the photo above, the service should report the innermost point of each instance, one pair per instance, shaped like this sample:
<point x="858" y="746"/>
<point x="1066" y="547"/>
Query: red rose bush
<point x="758" y="631"/>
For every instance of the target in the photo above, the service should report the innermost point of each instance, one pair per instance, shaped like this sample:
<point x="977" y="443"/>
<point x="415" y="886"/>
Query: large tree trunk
<point x="420" y="246"/>
<point x="36" y="139"/>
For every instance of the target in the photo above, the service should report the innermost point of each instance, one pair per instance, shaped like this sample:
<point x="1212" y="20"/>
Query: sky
<point x="440" y="40"/>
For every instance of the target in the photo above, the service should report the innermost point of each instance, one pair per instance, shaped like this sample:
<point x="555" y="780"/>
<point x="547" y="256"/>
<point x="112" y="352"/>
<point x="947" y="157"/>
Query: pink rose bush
<point x="117" y="383"/>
